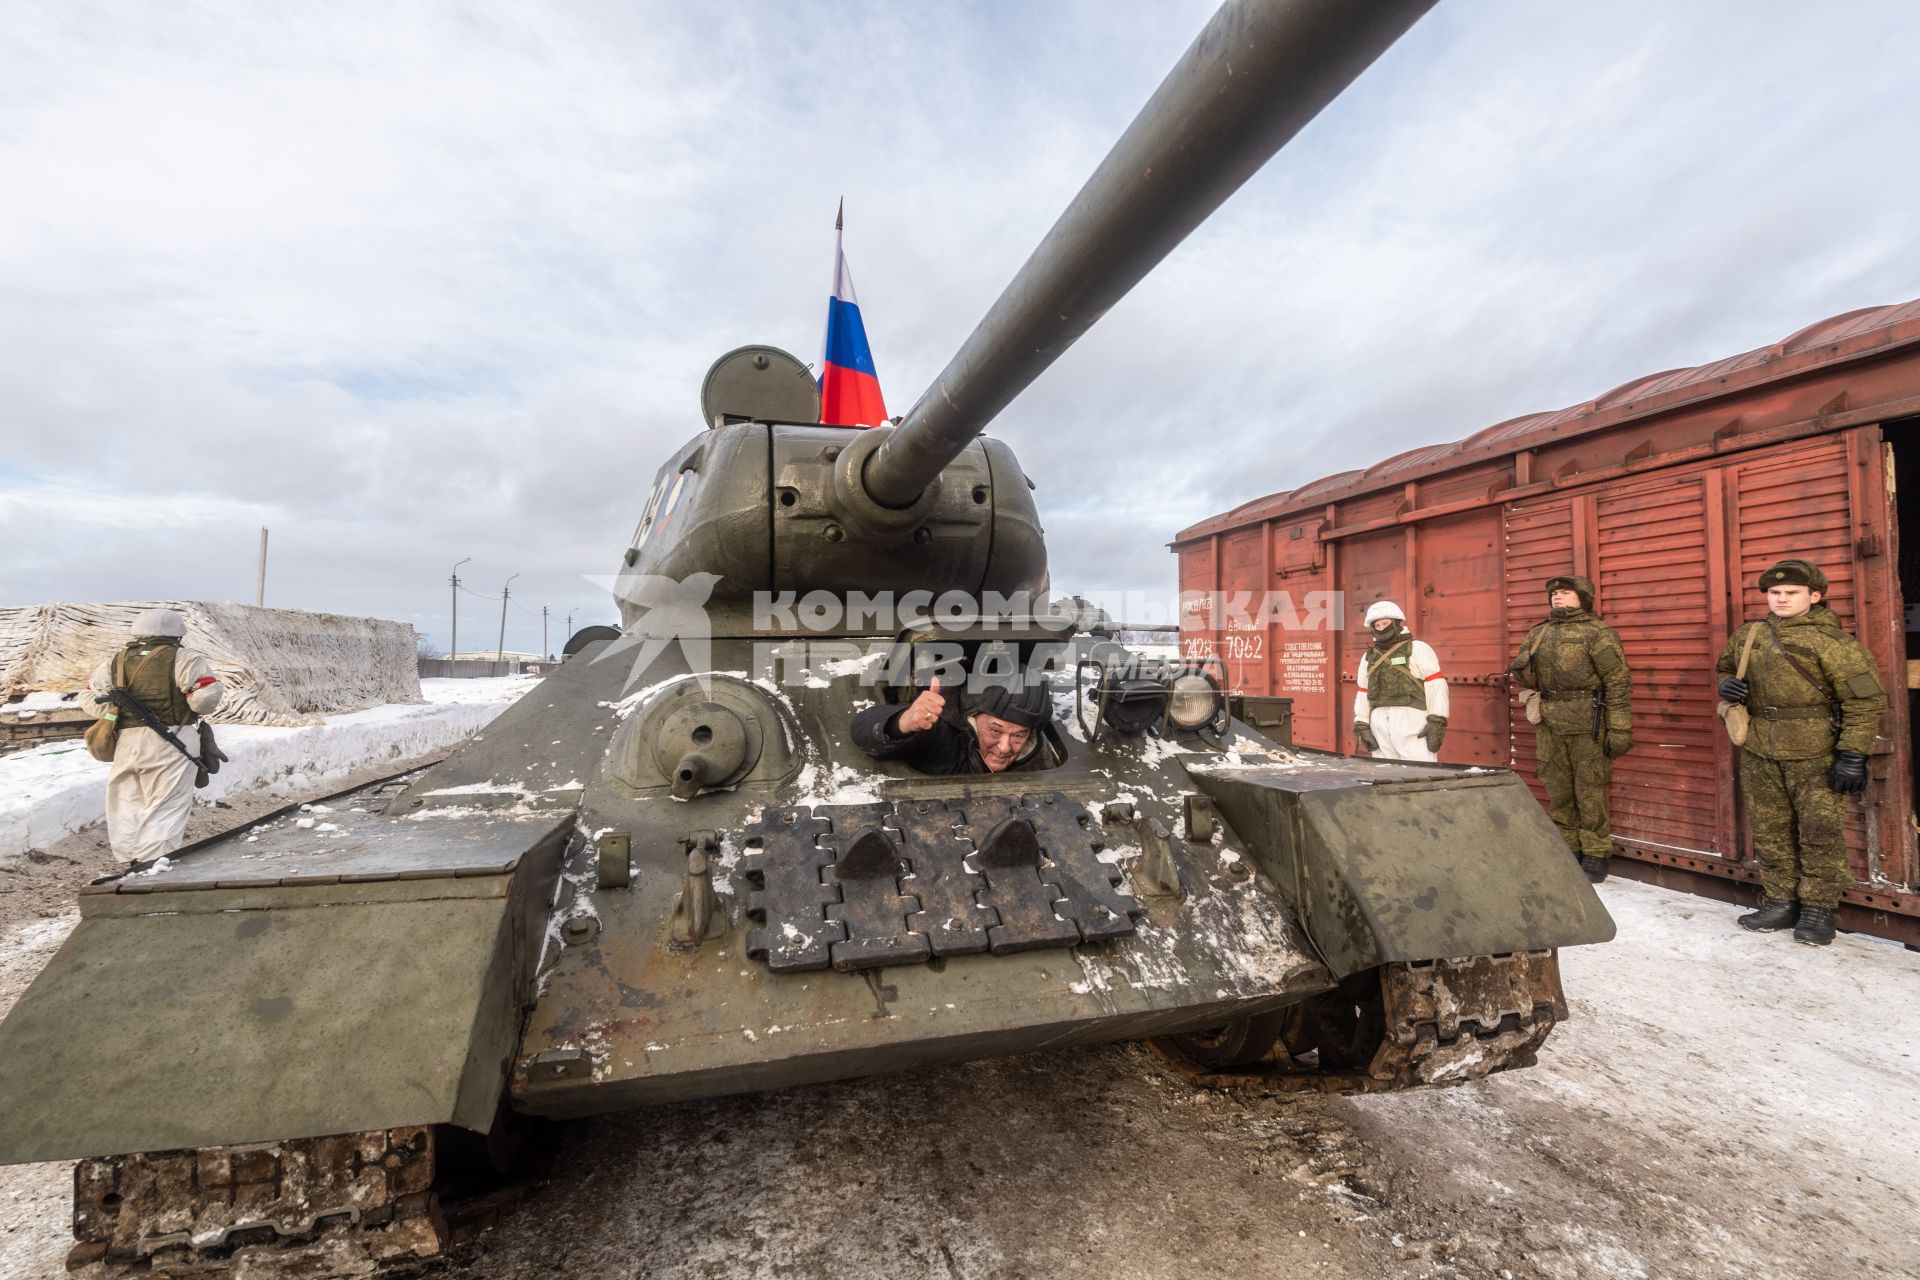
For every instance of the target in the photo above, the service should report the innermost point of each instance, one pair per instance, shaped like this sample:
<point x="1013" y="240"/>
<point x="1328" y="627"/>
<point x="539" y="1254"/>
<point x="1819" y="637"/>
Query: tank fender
<point x="1438" y="867"/>
<point x="205" y="1015"/>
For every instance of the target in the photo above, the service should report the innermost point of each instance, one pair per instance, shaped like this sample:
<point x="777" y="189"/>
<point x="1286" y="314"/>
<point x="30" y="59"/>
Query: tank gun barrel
<point x="1252" y="79"/>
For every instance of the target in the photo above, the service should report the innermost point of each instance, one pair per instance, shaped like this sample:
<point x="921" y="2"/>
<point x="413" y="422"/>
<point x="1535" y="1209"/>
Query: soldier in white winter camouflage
<point x="1400" y="707"/>
<point x="150" y="782"/>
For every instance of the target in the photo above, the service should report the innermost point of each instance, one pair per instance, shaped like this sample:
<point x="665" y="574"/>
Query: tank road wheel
<point x="483" y="1175"/>
<point x="1406" y="1024"/>
<point x="1236" y="1044"/>
<point x="1342" y="1029"/>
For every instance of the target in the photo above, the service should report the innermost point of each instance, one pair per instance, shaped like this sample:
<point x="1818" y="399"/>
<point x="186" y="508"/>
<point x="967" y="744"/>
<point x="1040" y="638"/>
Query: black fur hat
<point x="1027" y="705"/>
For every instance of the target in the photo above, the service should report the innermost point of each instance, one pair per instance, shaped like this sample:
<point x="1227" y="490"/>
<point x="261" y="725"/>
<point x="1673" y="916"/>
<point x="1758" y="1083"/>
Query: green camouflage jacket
<point x="1574" y="653"/>
<point x="1842" y="674"/>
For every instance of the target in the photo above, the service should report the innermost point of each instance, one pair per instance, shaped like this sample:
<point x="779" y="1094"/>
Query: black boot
<point x="1596" y="868"/>
<point x="1815" y="927"/>
<point x="1774" y="913"/>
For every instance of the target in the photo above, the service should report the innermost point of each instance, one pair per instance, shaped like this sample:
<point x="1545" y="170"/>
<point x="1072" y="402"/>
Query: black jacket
<point x="944" y="748"/>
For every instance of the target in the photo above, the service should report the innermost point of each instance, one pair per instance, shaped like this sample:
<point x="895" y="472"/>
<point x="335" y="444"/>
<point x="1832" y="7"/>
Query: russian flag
<point x="849" y="387"/>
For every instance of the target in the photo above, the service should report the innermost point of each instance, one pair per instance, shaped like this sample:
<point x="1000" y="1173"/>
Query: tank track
<point x="333" y="1206"/>
<point x="1432" y="1022"/>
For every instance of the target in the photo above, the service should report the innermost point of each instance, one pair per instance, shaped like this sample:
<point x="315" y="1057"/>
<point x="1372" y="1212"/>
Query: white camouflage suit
<point x="1398" y="728"/>
<point x="149" y="784"/>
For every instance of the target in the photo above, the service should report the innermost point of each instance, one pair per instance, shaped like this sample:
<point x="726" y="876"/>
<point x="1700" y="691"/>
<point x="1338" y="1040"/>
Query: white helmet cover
<point x="159" y="622"/>
<point x="1383" y="609"/>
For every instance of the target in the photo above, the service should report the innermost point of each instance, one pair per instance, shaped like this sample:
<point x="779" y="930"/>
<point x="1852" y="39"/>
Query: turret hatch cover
<point x="762" y="383"/>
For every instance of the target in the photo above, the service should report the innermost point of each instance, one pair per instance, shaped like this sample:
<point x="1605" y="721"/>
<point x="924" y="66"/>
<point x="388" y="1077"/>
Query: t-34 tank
<point x="668" y="873"/>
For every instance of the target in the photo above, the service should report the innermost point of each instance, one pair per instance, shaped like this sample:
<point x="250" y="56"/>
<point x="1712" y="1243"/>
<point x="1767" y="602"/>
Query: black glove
<point x="1363" y="734"/>
<point x="1619" y="742"/>
<point x="1435" y="731"/>
<point x="1848" y="773"/>
<point x="1734" y="689"/>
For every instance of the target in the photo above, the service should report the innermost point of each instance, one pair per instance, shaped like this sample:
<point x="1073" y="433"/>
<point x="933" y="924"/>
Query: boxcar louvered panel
<point x="1653" y="585"/>
<point x="1795" y="502"/>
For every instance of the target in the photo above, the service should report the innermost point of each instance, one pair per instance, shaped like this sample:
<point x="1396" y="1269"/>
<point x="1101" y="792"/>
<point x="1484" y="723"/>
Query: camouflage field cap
<point x="1794" y="573"/>
<point x="1575" y="583"/>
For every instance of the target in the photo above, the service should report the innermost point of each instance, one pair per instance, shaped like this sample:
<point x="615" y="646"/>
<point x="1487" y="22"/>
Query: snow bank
<point x="280" y="666"/>
<point x="57" y="789"/>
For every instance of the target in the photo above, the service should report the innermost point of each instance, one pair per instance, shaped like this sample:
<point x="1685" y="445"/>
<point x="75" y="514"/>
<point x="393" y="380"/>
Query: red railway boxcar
<point x="1671" y="493"/>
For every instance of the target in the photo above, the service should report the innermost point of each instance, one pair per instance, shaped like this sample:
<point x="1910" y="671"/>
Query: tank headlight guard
<point x="1134" y="695"/>
<point x="1131" y="704"/>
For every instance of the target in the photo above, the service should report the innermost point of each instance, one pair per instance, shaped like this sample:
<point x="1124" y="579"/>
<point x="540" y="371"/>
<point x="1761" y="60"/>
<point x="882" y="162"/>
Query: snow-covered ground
<point x="56" y="789"/>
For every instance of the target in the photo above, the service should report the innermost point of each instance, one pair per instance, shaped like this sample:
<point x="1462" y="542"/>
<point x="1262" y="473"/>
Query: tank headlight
<point x="1194" y="701"/>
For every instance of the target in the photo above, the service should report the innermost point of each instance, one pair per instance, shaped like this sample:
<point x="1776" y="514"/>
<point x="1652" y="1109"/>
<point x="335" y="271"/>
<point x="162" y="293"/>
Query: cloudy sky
<point x="412" y="283"/>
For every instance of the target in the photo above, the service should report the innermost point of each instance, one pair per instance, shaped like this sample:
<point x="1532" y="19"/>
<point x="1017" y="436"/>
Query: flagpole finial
<point x="839" y="215"/>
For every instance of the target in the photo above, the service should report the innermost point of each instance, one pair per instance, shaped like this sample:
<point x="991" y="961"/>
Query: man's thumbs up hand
<point x="924" y="712"/>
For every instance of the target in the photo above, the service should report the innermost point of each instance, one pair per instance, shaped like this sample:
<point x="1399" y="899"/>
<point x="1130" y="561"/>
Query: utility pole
<point x="260" y="583"/>
<point x="543" y="631"/>
<point x="501" y="655"/>
<point x="453" y="640"/>
<point x="570" y="614"/>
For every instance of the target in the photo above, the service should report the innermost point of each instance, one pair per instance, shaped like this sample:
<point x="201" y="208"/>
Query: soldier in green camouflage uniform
<point x="1586" y="716"/>
<point x="1814" y="702"/>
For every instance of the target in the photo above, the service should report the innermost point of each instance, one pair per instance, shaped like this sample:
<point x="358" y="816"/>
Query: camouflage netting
<point x="280" y="666"/>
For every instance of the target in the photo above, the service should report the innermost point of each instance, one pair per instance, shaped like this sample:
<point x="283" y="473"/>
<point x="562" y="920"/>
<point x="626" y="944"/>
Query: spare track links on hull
<point x="858" y="886"/>
<point x="339" y="1205"/>
<point x="1429" y="1022"/>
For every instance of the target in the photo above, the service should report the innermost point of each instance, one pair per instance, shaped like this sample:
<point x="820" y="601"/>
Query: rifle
<point x="1599" y="711"/>
<point x="204" y="765"/>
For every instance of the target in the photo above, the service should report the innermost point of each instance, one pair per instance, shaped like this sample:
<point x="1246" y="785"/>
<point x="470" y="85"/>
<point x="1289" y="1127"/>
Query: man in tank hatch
<point x="1001" y="733"/>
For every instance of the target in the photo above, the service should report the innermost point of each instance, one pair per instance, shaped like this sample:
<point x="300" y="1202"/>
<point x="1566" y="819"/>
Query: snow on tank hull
<point x="626" y="1015"/>
<point x="1221" y="860"/>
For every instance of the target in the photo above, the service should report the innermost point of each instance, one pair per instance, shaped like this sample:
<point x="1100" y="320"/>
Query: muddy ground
<point x="1720" y="1105"/>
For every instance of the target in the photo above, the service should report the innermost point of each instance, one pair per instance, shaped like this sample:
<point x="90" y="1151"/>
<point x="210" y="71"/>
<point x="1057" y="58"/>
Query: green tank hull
<point x="414" y="938"/>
